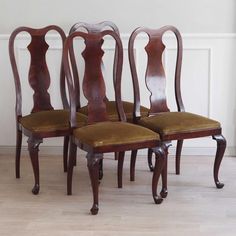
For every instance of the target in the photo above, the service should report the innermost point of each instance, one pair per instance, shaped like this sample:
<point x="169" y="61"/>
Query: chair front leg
<point x="65" y="152"/>
<point x="18" y="151"/>
<point x="177" y="156"/>
<point x="33" y="147"/>
<point x="161" y="156"/>
<point x="221" y="145"/>
<point x="72" y="157"/>
<point x="93" y="160"/>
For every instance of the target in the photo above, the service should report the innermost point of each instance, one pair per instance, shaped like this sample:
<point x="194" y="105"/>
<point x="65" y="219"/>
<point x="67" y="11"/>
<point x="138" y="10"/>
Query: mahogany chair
<point x="178" y="125"/>
<point x="43" y="121"/>
<point x="101" y="135"/>
<point x="110" y="105"/>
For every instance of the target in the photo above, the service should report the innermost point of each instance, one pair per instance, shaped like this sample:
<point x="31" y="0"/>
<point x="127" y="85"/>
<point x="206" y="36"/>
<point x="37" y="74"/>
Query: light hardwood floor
<point x="193" y="207"/>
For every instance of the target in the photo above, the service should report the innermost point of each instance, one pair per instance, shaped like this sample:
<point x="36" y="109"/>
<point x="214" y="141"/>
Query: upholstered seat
<point x="43" y="122"/>
<point x="113" y="133"/>
<point x="169" y="123"/>
<point x="100" y="135"/>
<point x="179" y="125"/>
<point x="50" y="121"/>
<point x="112" y="112"/>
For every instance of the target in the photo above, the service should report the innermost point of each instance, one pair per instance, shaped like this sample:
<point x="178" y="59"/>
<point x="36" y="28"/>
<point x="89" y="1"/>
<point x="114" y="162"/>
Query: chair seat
<point x="112" y="112"/>
<point x="169" y="123"/>
<point x="50" y="121"/>
<point x="113" y="133"/>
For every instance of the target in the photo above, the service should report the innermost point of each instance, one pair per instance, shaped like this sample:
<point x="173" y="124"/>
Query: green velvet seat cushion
<point x="49" y="121"/>
<point x="112" y="112"/>
<point x="169" y="123"/>
<point x="113" y="133"/>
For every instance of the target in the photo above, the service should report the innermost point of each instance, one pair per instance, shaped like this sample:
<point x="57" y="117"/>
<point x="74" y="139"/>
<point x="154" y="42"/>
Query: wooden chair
<point x="178" y="125"/>
<point x="44" y="121"/>
<point x="110" y="105"/>
<point x="101" y="135"/>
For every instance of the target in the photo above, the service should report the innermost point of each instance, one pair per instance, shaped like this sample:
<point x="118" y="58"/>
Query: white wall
<point x="208" y="76"/>
<point x="190" y="16"/>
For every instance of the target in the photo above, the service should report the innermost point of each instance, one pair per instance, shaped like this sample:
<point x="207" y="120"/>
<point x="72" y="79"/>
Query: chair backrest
<point x="93" y="84"/>
<point x="93" y="29"/>
<point x="38" y="76"/>
<point x="155" y="74"/>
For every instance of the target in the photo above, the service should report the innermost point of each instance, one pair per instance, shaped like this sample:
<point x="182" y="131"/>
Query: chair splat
<point x="39" y="78"/>
<point x="155" y="75"/>
<point x="93" y="81"/>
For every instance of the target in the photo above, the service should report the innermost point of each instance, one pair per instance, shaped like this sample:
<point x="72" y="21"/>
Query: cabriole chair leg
<point x="93" y="168"/>
<point x="33" y="146"/>
<point x="161" y="153"/>
<point x="221" y="145"/>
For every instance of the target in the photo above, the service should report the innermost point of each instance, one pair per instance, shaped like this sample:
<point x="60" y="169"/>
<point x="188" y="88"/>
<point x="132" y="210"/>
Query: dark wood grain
<point x="156" y="84"/>
<point x="90" y="28"/>
<point x="93" y="29"/>
<point x="39" y="80"/>
<point x="93" y="88"/>
<point x="155" y="76"/>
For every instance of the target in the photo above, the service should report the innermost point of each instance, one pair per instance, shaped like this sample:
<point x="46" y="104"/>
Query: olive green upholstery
<point x="113" y="133"/>
<point x="112" y="112"/>
<point x="49" y="121"/>
<point x="169" y="123"/>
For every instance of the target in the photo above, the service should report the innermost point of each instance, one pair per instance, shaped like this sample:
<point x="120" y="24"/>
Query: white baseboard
<point x="187" y="151"/>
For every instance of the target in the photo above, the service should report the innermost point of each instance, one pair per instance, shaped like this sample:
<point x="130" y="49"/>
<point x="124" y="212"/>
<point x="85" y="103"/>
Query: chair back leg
<point x="18" y="152"/>
<point x="177" y="156"/>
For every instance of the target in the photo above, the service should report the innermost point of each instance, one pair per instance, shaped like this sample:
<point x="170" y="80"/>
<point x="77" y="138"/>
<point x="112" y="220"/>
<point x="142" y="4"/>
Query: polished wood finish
<point x="38" y="72"/>
<point x="150" y="159"/>
<point x="91" y="28"/>
<point x="221" y="145"/>
<point x="156" y="84"/>
<point x="39" y="80"/>
<point x="33" y="147"/>
<point x="120" y="168"/>
<point x="161" y="161"/>
<point x="178" y="155"/>
<point x="132" y="164"/>
<point x="93" y="87"/>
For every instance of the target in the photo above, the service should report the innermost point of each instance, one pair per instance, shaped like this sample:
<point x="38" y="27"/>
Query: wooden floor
<point x="193" y="207"/>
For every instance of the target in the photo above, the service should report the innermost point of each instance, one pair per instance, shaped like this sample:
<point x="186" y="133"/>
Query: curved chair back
<point x="155" y="74"/>
<point x="38" y="77"/>
<point x="93" y="29"/>
<point x="93" y="84"/>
